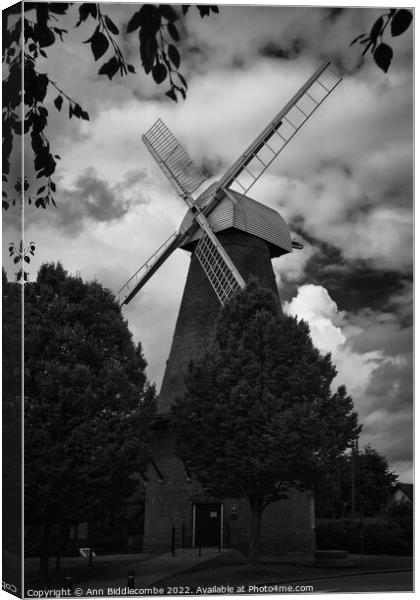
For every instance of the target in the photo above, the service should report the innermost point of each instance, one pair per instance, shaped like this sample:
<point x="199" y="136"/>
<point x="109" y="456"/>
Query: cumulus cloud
<point x="372" y="354"/>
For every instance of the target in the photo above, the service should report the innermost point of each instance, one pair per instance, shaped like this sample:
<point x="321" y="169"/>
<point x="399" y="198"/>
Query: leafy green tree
<point x="258" y="416"/>
<point x="88" y="404"/>
<point x="373" y="485"/>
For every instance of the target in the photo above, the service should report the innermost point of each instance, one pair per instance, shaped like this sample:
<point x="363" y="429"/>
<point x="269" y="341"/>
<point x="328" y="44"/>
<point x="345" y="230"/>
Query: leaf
<point x="376" y="29"/>
<point x="134" y="22"/>
<point x="59" y="8"/>
<point x="44" y="35"/>
<point x="131" y="68"/>
<point x="110" y="67"/>
<point x="174" y="56"/>
<point x="27" y="259"/>
<point x="58" y="102"/>
<point x="148" y="51"/>
<point x="41" y="189"/>
<point x="357" y="38"/>
<point x="111" y="25"/>
<point x="401" y="21"/>
<point x="172" y="95"/>
<point x="99" y="44"/>
<point x="84" y="115"/>
<point x="52" y="186"/>
<point x="159" y="72"/>
<point x="77" y="111"/>
<point x="173" y="32"/>
<point x="383" y="56"/>
<point x="168" y="12"/>
<point x="185" y="8"/>
<point x="16" y="259"/>
<point x="85" y="10"/>
<point x="183" y="80"/>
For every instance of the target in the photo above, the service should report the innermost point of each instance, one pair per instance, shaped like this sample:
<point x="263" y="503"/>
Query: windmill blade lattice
<point x="278" y="133"/>
<point x="219" y="272"/>
<point x="173" y="159"/>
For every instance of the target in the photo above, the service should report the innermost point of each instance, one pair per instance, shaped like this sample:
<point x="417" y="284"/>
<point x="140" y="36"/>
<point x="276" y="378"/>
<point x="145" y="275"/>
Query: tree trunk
<point x="45" y="552"/>
<point x="255" y="532"/>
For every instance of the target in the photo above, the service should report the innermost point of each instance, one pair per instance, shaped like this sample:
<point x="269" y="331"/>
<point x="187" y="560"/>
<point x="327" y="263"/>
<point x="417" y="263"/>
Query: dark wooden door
<point x="207" y="524"/>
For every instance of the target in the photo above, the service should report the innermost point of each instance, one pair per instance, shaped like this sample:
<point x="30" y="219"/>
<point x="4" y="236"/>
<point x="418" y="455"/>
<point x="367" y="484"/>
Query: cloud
<point x="372" y="353"/>
<point x="92" y="200"/>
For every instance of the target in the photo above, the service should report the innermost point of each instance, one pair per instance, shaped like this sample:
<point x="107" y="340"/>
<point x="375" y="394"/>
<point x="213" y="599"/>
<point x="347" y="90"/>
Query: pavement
<point x="159" y="568"/>
<point x="187" y="568"/>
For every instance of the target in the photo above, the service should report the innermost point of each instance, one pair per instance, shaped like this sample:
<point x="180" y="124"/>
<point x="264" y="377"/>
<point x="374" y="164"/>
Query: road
<point x="374" y="582"/>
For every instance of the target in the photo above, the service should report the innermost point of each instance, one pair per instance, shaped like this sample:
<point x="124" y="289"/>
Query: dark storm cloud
<point x="352" y="284"/>
<point x="276" y="50"/>
<point x="391" y="387"/>
<point x="385" y="432"/>
<point x="93" y="200"/>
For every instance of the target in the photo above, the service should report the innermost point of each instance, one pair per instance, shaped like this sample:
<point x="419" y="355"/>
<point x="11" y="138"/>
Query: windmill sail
<point x="142" y="275"/>
<point x="278" y="133"/>
<point x="173" y="159"/>
<point x="185" y="178"/>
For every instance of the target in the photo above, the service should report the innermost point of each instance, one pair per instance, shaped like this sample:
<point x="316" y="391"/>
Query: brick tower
<point x="173" y="498"/>
<point x="231" y="237"/>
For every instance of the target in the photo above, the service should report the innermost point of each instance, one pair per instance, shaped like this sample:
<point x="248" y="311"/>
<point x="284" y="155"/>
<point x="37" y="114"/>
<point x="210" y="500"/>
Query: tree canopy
<point x="373" y="484"/>
<point x="88" y="403"/>
<point x="11" y="412"/>
<point x="259" y="415"/>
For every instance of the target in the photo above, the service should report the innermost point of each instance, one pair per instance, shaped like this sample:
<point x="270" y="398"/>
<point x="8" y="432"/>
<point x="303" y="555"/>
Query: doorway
<point x="208" y="524"/>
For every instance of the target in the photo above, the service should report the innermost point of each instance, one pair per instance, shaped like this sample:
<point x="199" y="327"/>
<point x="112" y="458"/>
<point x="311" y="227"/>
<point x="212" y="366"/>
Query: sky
<point x="344" y="185"/>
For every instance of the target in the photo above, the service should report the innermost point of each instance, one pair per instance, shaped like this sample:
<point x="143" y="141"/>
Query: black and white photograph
<point x="208" y="219"/>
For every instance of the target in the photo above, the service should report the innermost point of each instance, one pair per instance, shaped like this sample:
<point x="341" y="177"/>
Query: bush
<point x="374" y="536"/>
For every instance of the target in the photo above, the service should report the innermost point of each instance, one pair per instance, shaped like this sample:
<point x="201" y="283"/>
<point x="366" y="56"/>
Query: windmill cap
<point x="238" y="211"/>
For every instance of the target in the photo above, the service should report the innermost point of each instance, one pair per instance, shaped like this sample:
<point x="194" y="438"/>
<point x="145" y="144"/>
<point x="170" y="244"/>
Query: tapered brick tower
<point x="173" y="499"/>
<point x="231" y="238"/>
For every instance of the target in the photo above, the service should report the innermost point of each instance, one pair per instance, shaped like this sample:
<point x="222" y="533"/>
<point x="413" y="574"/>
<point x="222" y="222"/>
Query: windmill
<point x="231" y="237"/>
<point x="186" y="178"/>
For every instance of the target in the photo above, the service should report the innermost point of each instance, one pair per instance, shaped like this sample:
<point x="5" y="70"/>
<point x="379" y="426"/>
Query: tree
<point x="155" y="26"/>
<point x="11" y="427"/>
<point x="373" y="483"/>
<point x="261" y="395"/>
<point x="88" y="404"/>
